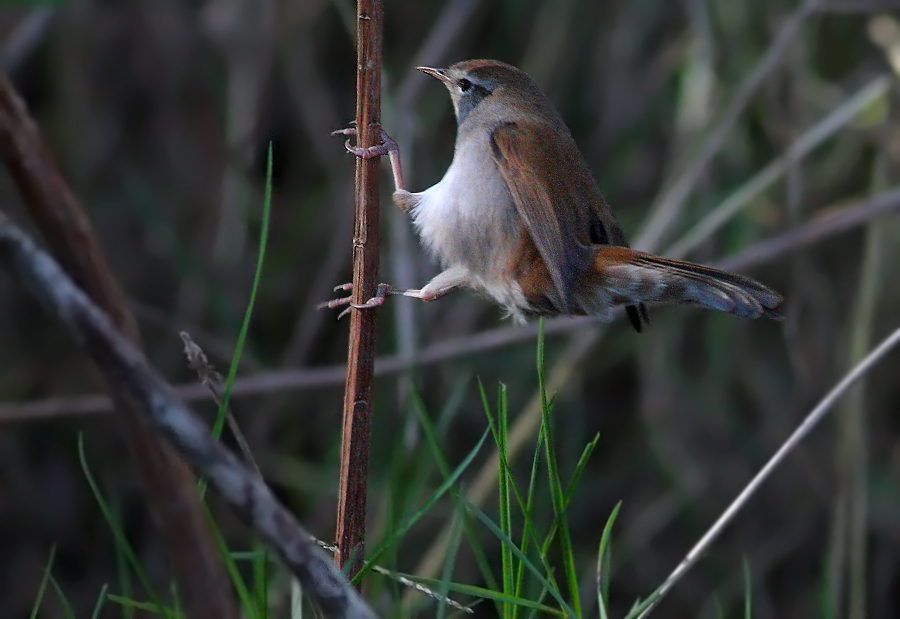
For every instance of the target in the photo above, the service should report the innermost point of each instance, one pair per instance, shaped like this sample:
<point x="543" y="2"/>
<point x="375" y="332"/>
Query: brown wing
<point x="552" y="188"/>
<point x="558" y="200"/>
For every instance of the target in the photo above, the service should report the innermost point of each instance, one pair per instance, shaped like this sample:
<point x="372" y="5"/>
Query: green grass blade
<point x="146" y="607"/>
<point x="121" y="540"/>
<point x="261" y="580"/>
<point x="556" y="491"/>
<point x="432" y="432"/>
<point x="386" y="543"/>
<point x="126" y="586"/>
<point x="579" y="469"/>
<point x="603" y="560"/>
<point x="521" y="557"/>
<point x="101" y="600"/>
<point x="528" y="511"/>
<point x="257" y="276"/>
<point x="570" y="489"/>
<point x="498" y="428"/>
<point x="42" y="589"/>
<point x="67" y="609"/>
<point x="247" y="600"/>
<point x="486" y="594"/>
<point x="245" y="326"/>
<point x="529" y="533"/>
<point x="505" y="483"/>
<point x="748" y="591"/>
<point x="504" y="480"/>
<point x="449" y="562"/>
<point x="554" y="527"/>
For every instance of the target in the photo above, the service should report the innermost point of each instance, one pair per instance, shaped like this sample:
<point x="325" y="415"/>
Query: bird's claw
<point x="382" y="292"/>
<point x="387" y="145"/>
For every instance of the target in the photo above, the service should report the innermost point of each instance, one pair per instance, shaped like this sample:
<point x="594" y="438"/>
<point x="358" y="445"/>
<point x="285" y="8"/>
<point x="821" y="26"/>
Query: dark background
<point x="160" y="111"/>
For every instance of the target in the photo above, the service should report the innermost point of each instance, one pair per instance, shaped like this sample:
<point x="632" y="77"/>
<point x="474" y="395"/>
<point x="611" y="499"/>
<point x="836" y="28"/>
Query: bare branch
<point x="811" y="421"/>
<point x="168" y="485"/>
<point x="136" y="383"/>
<point x="819" y="228"/>
<point x="816" y="230"/>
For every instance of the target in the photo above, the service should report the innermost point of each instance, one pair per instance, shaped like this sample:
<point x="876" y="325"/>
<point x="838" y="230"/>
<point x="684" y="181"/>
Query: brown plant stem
<point x="351" y="517"/>
<point x="169" y="486"/>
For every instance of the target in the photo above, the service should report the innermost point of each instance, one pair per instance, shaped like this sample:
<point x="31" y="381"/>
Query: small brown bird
<point x="519" y="217"/>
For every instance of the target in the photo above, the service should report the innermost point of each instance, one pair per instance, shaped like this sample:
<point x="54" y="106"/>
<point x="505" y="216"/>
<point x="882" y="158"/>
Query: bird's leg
<point x="440" y="286"/>
<point x="387" y="147"/>
<point x="381" y="293"/>
<point x="402" y="198"/>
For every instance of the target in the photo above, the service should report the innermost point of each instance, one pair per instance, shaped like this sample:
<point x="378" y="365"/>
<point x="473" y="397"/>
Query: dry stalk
<point x="351" y="517"/>
<point x="134" y="382"/>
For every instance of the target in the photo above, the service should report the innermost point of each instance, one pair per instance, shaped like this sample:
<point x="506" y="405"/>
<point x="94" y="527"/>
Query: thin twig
<point x="816" y="230"/>
<point x="817" y="414"/>
<point x="351" y="517"/>
<point x="212" y="380"/>
<point x="303" y="379"/>
<point x="852" y="461"/>
<point x="136" y="383"/>
<point x="820" y="228"/>
<point x="168" y="484"/>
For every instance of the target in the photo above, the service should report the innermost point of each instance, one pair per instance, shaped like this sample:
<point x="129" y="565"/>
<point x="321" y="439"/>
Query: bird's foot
<point x="382" y="292"/>
<point x="386" y="147"/>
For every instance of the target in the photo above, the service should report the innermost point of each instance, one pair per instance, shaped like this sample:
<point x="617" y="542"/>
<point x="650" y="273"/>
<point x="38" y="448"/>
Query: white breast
<point x="468" y="220"/>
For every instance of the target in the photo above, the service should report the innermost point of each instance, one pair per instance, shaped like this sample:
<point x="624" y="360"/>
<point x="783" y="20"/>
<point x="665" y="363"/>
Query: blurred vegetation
<point x="160" y="113"/>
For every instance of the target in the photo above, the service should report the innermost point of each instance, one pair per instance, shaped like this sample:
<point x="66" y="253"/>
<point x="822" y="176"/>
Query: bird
<point x="519" y="218"/>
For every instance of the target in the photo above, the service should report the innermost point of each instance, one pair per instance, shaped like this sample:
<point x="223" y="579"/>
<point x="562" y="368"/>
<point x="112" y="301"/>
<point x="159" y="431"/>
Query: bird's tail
<point x="622" y="276"/>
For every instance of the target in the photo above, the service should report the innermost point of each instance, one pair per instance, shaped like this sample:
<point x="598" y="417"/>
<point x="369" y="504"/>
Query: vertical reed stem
<point x="351" y="522"/>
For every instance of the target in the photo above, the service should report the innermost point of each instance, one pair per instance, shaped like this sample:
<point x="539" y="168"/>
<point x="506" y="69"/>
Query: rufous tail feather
<point x="623" y="276"/>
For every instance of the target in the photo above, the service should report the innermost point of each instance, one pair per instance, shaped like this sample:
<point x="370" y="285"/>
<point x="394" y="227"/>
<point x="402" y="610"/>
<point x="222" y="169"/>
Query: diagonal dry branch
<point x="134" y="382"/>
<point x="168" y="485"/>
<point x="802" y="431"/>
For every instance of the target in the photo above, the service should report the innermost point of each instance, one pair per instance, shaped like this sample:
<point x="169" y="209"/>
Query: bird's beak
<point x="440" y="74"/>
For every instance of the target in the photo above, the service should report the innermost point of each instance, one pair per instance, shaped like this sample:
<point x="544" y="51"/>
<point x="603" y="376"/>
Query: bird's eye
<point x="464" y="85"/>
